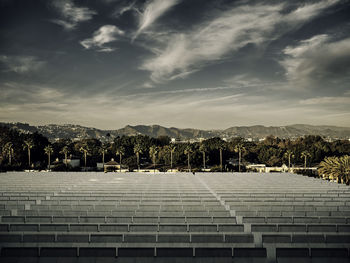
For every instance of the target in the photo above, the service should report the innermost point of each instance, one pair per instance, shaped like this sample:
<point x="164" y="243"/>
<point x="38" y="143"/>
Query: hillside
<point x="54" y="131"/>
<point x="290" y="131"/>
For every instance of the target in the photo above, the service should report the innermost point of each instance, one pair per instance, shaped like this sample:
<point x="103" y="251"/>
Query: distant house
<point x="262" y="168"/>
<point x="283" y="169"/>
<point x="175" y="140"/>
<point x="147" y="171"/>
<point x="172" y="171"/>
<point x="113" y="166"/>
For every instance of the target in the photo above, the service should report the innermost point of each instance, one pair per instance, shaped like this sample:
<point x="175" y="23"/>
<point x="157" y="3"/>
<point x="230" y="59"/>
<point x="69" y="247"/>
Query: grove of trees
<point x="20" y="151"/>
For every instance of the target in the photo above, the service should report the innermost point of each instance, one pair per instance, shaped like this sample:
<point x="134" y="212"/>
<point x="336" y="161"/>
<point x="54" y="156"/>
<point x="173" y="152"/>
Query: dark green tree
<point x="138" y="149"/>
<point x="120" y="151"/>
<point x="28" y="144"/>
<point x="48" y="150"/>
<point x="188" y="151"/>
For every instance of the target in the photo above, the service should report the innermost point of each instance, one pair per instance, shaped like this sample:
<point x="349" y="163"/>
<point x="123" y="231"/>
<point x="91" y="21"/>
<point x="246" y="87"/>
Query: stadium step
<point x="174" y="218"/>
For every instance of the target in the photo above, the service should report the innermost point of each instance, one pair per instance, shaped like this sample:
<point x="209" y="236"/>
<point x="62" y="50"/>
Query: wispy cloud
<point x="186" y="52"/>
<point x="326" y="100"/>
<point x="102" y="36"/>
<point x="217" y="100"/>
<point x="125" y="8"/>
<point x="35" y="103"/>
<point x="19" y="93"/>
<point x="307" y="11"/>
<point x="245" y="81"/>
<point x="318" y="60"/>
<point x="71" y="15"/>
<point x="152" y="11"/>
<point x="21" y="64"/>
<point x="152" y="94"/>
<point x="296" y="56"/>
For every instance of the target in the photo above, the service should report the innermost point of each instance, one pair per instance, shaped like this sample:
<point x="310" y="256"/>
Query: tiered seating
<point x="182" y="217"/>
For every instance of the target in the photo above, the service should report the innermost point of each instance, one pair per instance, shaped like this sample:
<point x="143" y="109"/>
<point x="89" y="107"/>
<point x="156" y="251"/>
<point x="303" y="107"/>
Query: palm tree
<point x="48" y="150"/>
<point x="8" y="148"/>
<point x="188" y="151"/>
<point x="289" y="154"/>
<point x="65" y="151"/>
<point x="305" y="155"/>
<point x="203" y="148"/>
<point x="327" y="168"/>
<point x="336" y="168"/>
<point x="170" y="149"/>
<point x="85" y="150"/>
<point x="239" y="147"/>
<point x="29" y="144"/>
<point x="103" y="151"/>
<point x="345" y="169"/>
<point x="120" y="151"/>
<point x="138" y="150"/>
<point x="221" y="147"/>
<point x="153" y="150"/>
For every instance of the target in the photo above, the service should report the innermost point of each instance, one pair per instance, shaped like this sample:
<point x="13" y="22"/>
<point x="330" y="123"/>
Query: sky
<point x="178" y="63"/>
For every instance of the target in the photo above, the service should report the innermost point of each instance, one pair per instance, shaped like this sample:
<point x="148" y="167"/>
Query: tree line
<point x="22" y="151"/>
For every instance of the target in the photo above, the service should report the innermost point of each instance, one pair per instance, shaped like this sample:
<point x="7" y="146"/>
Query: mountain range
<point x="55" y="131"/>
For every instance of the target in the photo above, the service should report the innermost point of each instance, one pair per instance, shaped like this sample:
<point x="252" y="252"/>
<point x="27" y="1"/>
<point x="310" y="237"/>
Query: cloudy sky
<point x="183" y="63"/>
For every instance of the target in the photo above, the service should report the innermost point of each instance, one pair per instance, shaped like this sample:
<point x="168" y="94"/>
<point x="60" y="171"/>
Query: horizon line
<point x="169" y="127"/>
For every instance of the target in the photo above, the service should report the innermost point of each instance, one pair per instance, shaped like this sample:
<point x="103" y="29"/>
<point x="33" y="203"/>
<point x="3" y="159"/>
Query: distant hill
<point x="156" y="131"/>
<point x="54" y="131"/>
<point x="290" y="131"/>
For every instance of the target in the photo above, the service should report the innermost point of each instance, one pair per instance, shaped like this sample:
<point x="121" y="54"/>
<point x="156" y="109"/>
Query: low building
<point x="175" y="140"/>
<point x="111" y="166"/>
<point x="262" y="168"/>
<point x="172" y="171"/>
<point x="283" y="169"/>
<point x="147" y="171"/>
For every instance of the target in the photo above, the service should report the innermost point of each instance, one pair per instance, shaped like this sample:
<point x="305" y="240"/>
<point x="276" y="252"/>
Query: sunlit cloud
<point x="102" y="36"/>
<point x="152" y="11"/>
